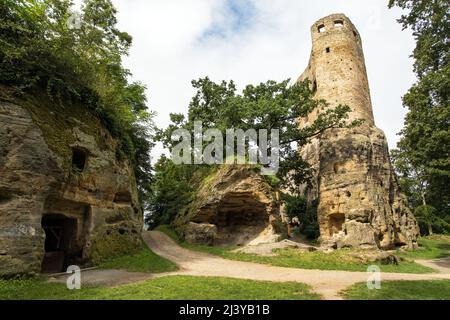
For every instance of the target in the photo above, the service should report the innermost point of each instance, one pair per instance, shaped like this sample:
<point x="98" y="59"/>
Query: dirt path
<point x="105" y="278"/>
<point x="325" y="282"/>
<point x="441" y="265"/>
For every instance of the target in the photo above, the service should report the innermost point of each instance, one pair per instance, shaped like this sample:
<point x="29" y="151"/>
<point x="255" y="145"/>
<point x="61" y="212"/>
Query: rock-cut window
<point x="321" y="28"/>
<point x="339" y="23"/>
<point x="78" y="159"/>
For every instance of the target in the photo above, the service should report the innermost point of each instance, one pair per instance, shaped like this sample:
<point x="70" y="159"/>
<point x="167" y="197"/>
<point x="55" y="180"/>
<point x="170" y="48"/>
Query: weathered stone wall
<point x="360" y="203"/>
<point x="234" y="205"/>
<point x="37" y="179"/>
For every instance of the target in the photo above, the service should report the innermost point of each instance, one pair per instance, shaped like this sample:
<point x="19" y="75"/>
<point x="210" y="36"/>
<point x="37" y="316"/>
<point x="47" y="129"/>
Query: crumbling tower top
<point x="337" y="67"/>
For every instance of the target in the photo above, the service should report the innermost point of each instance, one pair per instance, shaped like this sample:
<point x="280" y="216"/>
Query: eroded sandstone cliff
<point x="65" y="198"/>
<point x="234" y="205"/>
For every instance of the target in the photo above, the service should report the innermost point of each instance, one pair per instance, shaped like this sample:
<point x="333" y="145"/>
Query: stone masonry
<point x="359" y="200"/>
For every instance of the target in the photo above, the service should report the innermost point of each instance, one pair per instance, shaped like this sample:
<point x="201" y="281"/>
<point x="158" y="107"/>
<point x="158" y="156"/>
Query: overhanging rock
<point x="234" y="205"/>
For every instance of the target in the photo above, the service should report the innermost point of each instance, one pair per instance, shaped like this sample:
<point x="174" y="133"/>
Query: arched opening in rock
<point x="240" y="218"/>
<point x="79" y="157"/>
<point x="60" y="239"/>
<point x="335" y="223"/>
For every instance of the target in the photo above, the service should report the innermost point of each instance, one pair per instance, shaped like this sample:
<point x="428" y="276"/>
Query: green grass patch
<point x="401" y="290"/>
<point x="143" y="261"/>
<point x="292" y="258"/>
<point x="165" y="288"/>
<point x="431" y="247"/>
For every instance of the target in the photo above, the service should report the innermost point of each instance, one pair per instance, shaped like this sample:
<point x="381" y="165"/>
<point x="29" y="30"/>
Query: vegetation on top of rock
<point x="77" y="59"/>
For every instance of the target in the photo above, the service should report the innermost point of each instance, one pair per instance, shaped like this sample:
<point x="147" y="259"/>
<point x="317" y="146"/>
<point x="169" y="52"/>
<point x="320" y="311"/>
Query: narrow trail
<point x="328" y="283"/>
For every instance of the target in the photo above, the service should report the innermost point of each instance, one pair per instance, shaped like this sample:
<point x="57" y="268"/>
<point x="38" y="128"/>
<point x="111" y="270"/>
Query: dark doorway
<point x="60" y="242"/>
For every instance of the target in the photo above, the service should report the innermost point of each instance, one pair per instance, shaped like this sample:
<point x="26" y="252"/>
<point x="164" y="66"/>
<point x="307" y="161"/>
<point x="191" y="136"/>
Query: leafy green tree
<point x="424" y="148"/>
<point x="429" y="221"/>
<point x="42" y="47"/>
<point x="298" y="207"/>
<point x="173" y="188"/>
<point x="269" y="105"/>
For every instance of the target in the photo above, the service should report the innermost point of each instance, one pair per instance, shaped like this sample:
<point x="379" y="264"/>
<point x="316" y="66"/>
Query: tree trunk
<point x="430" y="229"/>
<point x="427" y="214"/>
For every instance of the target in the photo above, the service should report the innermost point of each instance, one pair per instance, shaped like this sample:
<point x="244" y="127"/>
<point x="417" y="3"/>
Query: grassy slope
<point x="402" y="290"/>
<point x="143" y="261"/>
<point x="433" y="247"/>
<point x="292" y="258"/>
<point x="172" y="287"/>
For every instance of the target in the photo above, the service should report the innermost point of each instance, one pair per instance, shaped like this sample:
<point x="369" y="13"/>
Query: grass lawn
<point x="402" y="290"/>
<point x="292" y="258"/>
<point x="165" y="288"/>
<point x="431" y="247"/>
<point x="143" y="261"/>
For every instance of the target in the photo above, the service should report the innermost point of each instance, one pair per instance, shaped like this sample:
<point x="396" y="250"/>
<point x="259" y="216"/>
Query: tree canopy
<point x="77" y="57"/>
<point x="269" y="105"/>
<point x="423" y="154"/>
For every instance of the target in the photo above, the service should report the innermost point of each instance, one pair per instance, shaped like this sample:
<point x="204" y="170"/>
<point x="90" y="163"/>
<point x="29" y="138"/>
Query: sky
<point x="252" y="41"/>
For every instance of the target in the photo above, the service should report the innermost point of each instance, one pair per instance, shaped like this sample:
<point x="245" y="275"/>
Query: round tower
<point x="337" y="68"/>
<point x="359" y="203"/>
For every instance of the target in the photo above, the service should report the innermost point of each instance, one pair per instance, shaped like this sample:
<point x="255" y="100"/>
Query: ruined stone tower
<point x="359" y="201"/>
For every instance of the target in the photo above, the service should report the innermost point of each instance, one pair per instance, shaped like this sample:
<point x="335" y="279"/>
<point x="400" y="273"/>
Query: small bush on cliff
<point x="46" y="46"/>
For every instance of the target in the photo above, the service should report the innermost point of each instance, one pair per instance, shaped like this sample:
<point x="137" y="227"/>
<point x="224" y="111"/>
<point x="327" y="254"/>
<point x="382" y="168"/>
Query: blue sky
<point x="238" y="15"/>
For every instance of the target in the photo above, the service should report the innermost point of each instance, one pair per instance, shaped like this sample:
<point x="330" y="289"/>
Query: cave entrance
<point x="60" y="242"/>
<point x="335" y="223"/>
<point x="240" y="218"/>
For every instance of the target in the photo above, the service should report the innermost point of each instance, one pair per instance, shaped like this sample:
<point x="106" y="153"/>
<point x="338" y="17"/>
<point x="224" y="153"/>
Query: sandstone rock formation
<point x="64" y="197"/>
<point x="360" y="203"/>
<point x="234" y="205"/>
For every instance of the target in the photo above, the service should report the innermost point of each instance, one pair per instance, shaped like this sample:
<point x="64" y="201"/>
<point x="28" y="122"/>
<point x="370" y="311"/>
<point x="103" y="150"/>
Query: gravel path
<point x="328" y="283"/>
<point x="325" y="282"/>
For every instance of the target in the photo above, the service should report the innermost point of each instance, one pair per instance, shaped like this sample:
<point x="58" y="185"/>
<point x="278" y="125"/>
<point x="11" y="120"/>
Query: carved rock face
<point x="74" y="207"/>
<point x="360" y="203"/>
<point x="359" y="193"/>
<point x="233" y="206"/>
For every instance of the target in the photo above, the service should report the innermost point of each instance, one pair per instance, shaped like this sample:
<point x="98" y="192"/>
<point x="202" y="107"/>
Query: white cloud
<point x="170" y="48"/>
